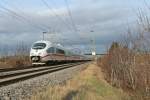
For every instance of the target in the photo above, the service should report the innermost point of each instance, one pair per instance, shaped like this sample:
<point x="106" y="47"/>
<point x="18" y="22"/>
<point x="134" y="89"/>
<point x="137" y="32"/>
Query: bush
<point x="128" y="69"/>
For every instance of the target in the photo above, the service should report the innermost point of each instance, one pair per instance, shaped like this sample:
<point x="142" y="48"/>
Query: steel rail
<point x="21" y="77"/>
<point x="25" y="67"/>
<point x="21" y="72"/>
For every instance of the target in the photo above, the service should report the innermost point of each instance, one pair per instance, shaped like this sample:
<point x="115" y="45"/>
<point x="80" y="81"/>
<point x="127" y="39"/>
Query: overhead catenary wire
<point x="23" y="18"/>
<point x="72" y="20"/>
<point x="58" y="16"/>
<point x="72" y="24"/>
<point x="53" y="2"/>
<point x="70" y="15"/>
<point x="55" y="14"/>
<point x="26" y="16"/>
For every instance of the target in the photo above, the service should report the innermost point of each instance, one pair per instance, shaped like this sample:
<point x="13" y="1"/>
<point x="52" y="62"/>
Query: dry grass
<point x="87" y="85"/>
<point x="18" y="58"/>
<point x="14" y="61"/>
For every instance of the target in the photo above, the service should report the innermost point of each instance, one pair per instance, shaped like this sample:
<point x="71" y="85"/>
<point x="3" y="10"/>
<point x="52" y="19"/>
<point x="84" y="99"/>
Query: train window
<point x="51" y="50"/>
<point x="60" y="51"/>
<point x="39" y="46"/>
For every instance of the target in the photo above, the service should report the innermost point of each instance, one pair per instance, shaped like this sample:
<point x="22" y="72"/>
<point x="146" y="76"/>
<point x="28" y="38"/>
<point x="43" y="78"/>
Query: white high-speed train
<point x="43" y="52"/>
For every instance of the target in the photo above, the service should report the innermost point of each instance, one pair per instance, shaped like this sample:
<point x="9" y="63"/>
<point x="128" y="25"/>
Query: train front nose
<point x="35" y="58"/>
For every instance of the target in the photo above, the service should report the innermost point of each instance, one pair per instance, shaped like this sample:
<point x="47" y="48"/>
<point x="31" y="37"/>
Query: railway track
<point x="10" y="76"/>
<point x="25" y="67"/>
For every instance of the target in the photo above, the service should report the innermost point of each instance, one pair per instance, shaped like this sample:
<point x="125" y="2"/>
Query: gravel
<point x="24" y="89"/>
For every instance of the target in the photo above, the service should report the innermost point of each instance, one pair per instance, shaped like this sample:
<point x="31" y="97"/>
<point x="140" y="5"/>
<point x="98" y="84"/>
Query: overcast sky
<point x="102" y="20"/>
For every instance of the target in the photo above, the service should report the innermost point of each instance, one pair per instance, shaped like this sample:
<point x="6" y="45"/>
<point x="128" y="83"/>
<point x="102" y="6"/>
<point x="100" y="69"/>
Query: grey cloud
<point x="106" y="21"/>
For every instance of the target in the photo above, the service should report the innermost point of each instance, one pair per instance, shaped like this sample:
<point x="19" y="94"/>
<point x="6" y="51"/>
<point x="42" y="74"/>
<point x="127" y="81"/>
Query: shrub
<point x="130" y="70"/>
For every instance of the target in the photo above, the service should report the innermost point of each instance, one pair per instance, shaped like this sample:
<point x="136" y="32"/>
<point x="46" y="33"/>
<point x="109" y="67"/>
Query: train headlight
<point x="35" y="58"/>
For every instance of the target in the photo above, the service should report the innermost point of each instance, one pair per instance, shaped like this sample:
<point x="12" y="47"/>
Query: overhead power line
<point x="53" y="2"/>
<point x="70" y="15"/>
<point x="27" y="17"/>
<point x="55" y="14"/>
<point x="23" y="19"/>
<point x="71" y="26"/>
<point x="72" y="21"/>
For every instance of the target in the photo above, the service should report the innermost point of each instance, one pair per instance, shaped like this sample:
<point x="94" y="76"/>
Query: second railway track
<point x="14" y="76"/>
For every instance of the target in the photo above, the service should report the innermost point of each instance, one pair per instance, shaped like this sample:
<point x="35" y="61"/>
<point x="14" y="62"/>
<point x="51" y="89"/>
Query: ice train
<point x="44" y="52"/>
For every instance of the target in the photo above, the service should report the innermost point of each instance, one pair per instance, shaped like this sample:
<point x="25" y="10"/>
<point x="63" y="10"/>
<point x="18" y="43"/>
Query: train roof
<point x="43" y="41"/>
<point x="55" y="45"/>
<point x="50" y="44"/>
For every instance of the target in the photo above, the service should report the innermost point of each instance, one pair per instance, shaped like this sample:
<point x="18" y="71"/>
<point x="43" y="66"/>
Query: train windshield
<point x="39" y="46"/>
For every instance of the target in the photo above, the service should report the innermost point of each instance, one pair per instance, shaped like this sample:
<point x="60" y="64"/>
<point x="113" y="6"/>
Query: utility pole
<point x="44" y="34"/>
<point x="93" y="46"/>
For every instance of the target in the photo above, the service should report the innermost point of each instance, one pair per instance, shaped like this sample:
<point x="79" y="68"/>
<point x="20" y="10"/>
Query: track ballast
<point x="10" y="76"/>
